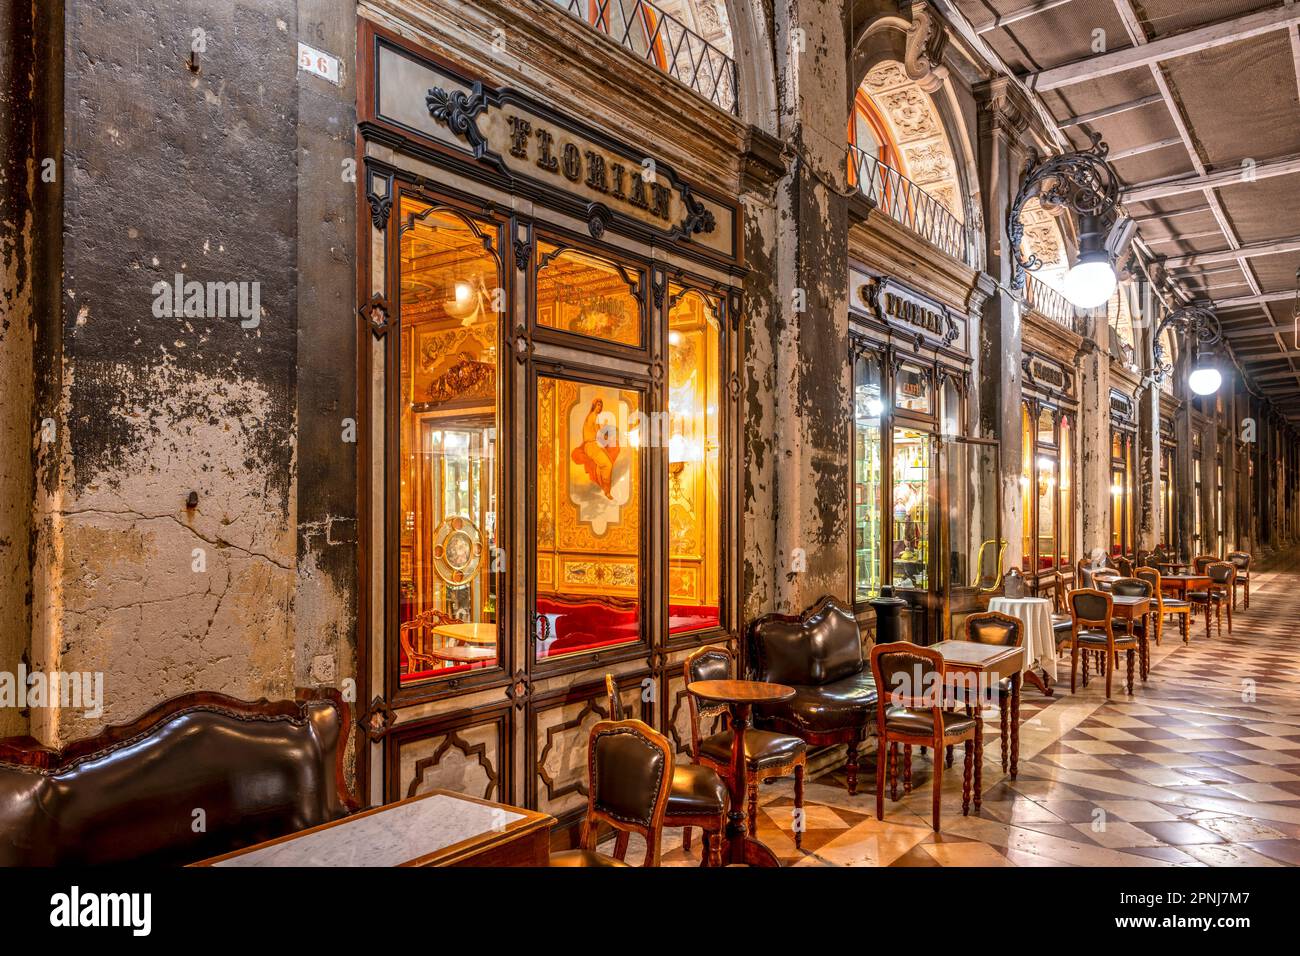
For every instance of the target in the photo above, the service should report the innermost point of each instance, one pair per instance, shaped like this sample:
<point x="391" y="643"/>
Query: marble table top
<point x="387" y="836"/>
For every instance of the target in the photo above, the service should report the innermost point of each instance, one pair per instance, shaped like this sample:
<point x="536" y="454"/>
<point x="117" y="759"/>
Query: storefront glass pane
<point x="1117" y="499"/>
<point x="910" y="508"/>
<point x="694" y="461"/>
<point x="912" y="389"/>
<point x="868" y="535"/>
<point x="1064" y="481"/>
<point x="448" y="578"/>
<point x="1045" y="483"/>
<point x="588" y="295"/>
<point x="589" y="530"/>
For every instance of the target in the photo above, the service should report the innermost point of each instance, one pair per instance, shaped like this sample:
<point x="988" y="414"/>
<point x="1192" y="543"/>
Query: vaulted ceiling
<point x="1199" y="101"/>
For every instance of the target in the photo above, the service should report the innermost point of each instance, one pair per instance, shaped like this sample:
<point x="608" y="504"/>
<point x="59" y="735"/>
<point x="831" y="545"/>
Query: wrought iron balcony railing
<point x="662" y="40"/>
<point x="907" y="203"/>
<point x="1049" y="303"/>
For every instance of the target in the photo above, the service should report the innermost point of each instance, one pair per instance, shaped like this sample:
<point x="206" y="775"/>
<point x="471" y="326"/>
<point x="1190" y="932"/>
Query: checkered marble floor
<point x="1201" y="767"/>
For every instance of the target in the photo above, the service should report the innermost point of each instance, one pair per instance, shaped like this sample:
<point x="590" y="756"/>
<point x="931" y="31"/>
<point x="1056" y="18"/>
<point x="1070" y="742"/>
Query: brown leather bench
<point x="198" y="775"/>
<point x="819" y="653"/>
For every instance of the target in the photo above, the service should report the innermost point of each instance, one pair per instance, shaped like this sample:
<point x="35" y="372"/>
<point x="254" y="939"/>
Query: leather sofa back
<point x="199" y="775"/>
<point x="820" y="646"/>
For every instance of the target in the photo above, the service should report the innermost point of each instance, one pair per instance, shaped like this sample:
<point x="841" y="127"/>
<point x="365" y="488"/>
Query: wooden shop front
<point x="547" y="433"/>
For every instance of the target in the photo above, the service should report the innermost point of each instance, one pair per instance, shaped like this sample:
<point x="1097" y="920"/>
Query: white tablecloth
<point x="1036" y="615"/>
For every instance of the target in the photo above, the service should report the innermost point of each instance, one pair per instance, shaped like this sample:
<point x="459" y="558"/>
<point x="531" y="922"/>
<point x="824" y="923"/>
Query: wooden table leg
<point x="741" y="847"/>
<point x="979" y="754"/>
<point x="1015" y="725"/>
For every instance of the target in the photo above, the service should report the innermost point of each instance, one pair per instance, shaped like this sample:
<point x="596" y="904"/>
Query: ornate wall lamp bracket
<point x="1081" y="181"/>
<point x="1198" y="322"/>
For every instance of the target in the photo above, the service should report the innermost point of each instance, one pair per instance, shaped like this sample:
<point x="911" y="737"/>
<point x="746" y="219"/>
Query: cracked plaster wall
<point x="239" y="178"/>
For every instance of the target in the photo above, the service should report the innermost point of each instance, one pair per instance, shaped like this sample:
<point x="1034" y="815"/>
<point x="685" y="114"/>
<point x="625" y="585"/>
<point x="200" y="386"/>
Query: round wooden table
<point x="739" y="846"/>
<point x="467" y="632"/>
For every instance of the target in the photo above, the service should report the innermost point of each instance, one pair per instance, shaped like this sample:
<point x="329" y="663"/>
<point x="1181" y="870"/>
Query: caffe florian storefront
<point x="549" y="418"/>
<point x="921" y="525"/>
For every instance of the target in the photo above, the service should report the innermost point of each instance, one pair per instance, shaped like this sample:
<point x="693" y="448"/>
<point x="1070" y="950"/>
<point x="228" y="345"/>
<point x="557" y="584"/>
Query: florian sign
<point x="526" y="140"/>
<point x="1046" y="374"/>
<point x="522" y="145"/>
<point x="900" y="306"/>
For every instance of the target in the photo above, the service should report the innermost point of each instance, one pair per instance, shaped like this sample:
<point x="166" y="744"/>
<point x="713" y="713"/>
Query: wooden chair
<point x="1167" y="605"/>
<point x="1061" y="619"/>
<point x="1241" y="561"/>
<point x="1222" y="577"/>
<point x="1003" y="630"/>
<point x="697" y="795"/>
<point x="767" y="754"/>
<point x="416" y="642"/>
<point x="1135" y="587"/>
<point x="912" y="713"/>
<point x="1093" y="630"/>
<point x="1203" y="561"/>
<point x="1124" y="565"/>
<point x="629" y="774"/>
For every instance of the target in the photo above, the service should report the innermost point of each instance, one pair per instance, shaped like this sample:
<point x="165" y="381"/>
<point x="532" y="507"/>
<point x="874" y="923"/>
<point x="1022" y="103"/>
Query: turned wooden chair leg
<point x="947" y="761"/>
<point x="1109" y="672"/>
<point x="851" y="766"/>
<point x="1074" y="663"/>
<point x="798" y="806"/>
<point x="1230" y="619"/>
<point x="907" y="768"/>
<point x="1130" y="673"/>
<point x="882" y="760"/>
<point x="620" y="844"/>
<point x="967" y="766"/>
<point x="893" y="770"/>
<point x="1086" y="655"/>
<point x="1003" y="702"/>
<point x="686" y="839"/>
<point x="938" y="788"/>
<point x="753" y="804"/>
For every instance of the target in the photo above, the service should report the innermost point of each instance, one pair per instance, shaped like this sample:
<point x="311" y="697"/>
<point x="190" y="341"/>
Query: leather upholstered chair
<point x="1094" y="631"/>
<point x="1241" y="561"/>
<point x="1061" y="620"/>
<point x="259" y="769"/>
<point x="697" y="795"/>
<point x="911" y="712"/>
<point x="1166" y="605"/>
<point x="629" y="775"/>
<point x="767" y="754"/>
<point x="1003" y="630"/>
<point x="1124" y="565"/>
<point x="1202" y="561"/>
<point x="819" y="654"/>
<point x="1135" y="587"/>
<point x="1223" y="576"/>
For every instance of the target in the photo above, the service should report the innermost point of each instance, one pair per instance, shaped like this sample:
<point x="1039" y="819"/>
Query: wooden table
<point x="468" y="632"/>
<point x="1171" y="566"/>
<point x="438" y="828"/>
<point x="740" y="846"/>
<point x="463" y="655"/>
<point x="988" y="665"/>
<point x="1180" y="584"/>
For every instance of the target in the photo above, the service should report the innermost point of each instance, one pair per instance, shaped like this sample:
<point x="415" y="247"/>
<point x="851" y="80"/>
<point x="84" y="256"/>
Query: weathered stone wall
<point x="207" y="154"/>
<point x="18" y="176"/>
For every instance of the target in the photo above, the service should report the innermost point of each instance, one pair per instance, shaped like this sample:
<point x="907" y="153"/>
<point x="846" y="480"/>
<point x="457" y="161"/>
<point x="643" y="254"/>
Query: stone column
<point x="810" y="325"/>
<point x="1003" y="121"/>
<point x="1093" y="362"/>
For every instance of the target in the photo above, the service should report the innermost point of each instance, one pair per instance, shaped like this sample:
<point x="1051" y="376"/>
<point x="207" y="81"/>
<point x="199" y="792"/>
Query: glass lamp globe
<point x="1090" y="282"/>
<point x="1205" y="380"/>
